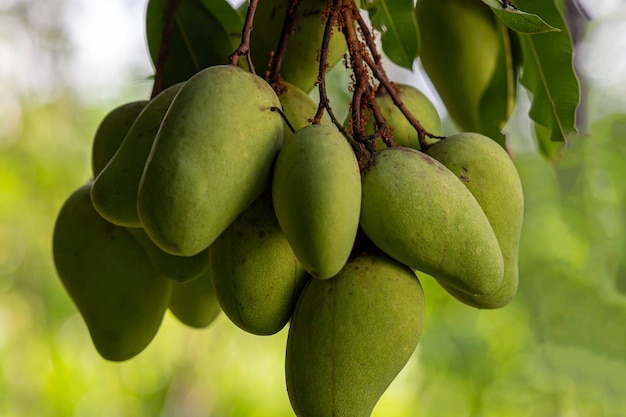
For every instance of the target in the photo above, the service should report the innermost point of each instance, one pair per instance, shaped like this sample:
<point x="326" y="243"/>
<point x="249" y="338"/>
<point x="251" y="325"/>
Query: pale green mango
<point x="316" y="191"/>
<point x="212" y="157"/>
<point x="114" y="192"/>
<point x="177" y="268"/>
<point x="299" y="108"/>
<point x="459" y="52"/>
<point x="404" y="134"/>
<point x="121" y="297"/>
<point x="194" y="302"/>
<point x="300" y="65"/>
<point x="488" y="172"/>
<point x="111" y="132"/>
<point x="351" y="335"/>
<point x="256" y="275"/>
<point x="418" y="212"/>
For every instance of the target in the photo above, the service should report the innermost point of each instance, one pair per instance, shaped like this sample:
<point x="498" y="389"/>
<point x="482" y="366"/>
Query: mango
<point x="351" y="335"/>
<point x="256" y="275"/>
<point x="120" y="296"/>
<point x="404" y="134"/>
<point x="114" y="192"/>
<point x="111" y="133"/>
<point x="300" y="65"/>
<point x="460" y="46"/>
<point x="418" y="212"/>
<point x="488" y="172"/>
<point x="212" y="157"/>
<point x="177" y="268"/>
<point x="194" y="303"/>
<point x="316" y="191"/>
<point x="299" y="108"/>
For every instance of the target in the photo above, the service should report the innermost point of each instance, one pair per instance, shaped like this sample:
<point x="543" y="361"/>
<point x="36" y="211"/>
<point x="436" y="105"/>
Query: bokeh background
<point x="558" y="350"/>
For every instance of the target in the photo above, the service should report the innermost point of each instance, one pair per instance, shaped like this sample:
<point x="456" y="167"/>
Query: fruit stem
<point x="164" y="49"/>
<point x="276" y="61"/>
<point x="244" y="46"/>
<point x="284" y="116"/>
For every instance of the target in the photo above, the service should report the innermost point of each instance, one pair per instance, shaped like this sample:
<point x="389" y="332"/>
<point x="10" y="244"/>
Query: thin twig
<point x="323" y="66"/>
<point x="276" y="60"/>
<point x="164" y="48"/>
<point x="284" y="116"/>
<point x="244" y="46"/>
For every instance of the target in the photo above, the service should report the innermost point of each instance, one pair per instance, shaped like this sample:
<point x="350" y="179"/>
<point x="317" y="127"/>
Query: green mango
<point x="404" y="134"/>
<point x="488" y="172"/>
<point x="300" y="65"/>
<point x="111" y="132"/>
<point x="114" y="192"/>
<point x="299" y="108"/>
<point x="418" y="212"/>
<point x="316" y="191"/>
<point x="177" y="268"/>
<point x="256" y="275"/>
<point x="121" y="297"/>
<point x="212" y="157"/>
<point x="460" y="47"/>
<point x="351" y="335"/>
<point x="194" y="302"/>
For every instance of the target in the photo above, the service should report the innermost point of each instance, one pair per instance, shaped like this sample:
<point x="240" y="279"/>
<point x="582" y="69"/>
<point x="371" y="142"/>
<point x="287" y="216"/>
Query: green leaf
<point x="396" y="22"/>
<point x="496" y="104"/>
<point x="190" y="36"/>
<point x="518" y="20"/>
<point x="548" y="73"/>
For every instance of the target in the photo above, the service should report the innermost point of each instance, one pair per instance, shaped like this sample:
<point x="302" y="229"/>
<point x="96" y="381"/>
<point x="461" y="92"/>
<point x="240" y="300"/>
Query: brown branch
<point x="276" y="61"/>
<point x="370" y="41"/>
<point x="244" y="46"/>
<point x="363" y="89"/>
<point x="164" y="48"/>
<point x="323" y="67"/>
<point x="380" y="75"/>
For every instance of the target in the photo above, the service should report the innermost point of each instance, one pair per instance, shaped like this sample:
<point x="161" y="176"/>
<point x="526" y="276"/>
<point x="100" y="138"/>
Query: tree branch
<point x="244" y="46"/>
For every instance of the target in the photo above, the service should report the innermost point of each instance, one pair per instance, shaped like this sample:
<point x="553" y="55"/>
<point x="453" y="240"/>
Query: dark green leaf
<point x="548" y="72"/>
<point x="396" y="22"/>
<point x="195" y="35"/>
<point x="519" y="20"/>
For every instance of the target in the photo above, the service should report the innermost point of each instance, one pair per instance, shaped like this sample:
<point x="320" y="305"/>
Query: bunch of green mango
<point x="205" y="200"/>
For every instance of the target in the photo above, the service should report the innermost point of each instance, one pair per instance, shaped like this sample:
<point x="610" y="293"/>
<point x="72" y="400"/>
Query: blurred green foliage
<point x="557" y="350"/>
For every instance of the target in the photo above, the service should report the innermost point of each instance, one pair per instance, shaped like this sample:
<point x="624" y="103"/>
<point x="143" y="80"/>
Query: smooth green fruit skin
<point x="212" y="157"/>
<point x="404" y="134"/>
<point x="114" y="192"/>
<point x="108" y="276"/>
<point x="316" y="191"/>
<point x="111" y="132"/>
<point x="194" y="302"/>
<point x="299" y="108"/>
<point x="256" y="275"/>
<point x="300" y="65"/>
<point x="351" y="335"/>
<point x="488" y="172"/>
<point x="177" y="268"/>
<point x="459" y="52"/>
<point x="417" y="211"/>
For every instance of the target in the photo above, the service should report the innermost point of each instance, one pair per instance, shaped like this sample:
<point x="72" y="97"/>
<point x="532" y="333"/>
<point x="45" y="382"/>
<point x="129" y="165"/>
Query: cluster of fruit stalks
<point x="203" y="200"/>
